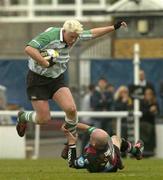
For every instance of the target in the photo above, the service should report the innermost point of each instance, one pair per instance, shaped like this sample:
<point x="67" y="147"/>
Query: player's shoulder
<point x="52" y="33"/>
<point x="53" y="29"/>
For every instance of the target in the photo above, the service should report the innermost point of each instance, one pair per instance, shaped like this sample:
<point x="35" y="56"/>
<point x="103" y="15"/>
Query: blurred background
<point x="100" y="73"/>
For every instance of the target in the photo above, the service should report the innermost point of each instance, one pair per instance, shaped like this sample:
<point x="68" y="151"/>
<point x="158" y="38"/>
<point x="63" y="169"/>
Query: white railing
<point x="29" y="11"/>
<point x="136" y="63"/>
<point x="112" y="114"/>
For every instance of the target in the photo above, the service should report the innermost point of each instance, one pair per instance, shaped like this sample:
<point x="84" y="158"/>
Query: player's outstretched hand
<point x="119" y="24"/>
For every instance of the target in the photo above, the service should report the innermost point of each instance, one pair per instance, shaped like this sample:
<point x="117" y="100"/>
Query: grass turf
<point x="57" y="169"/>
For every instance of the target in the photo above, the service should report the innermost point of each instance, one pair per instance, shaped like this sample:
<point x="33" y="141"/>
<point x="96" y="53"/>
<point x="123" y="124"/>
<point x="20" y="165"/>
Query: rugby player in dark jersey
<point x="103" y="153"/>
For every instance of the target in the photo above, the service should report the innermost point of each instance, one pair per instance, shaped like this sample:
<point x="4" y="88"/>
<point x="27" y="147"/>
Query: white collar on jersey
<point x="61" y="35"/>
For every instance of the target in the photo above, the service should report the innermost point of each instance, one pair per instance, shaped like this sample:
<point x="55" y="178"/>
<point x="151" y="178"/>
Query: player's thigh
<point x="64" y="99"/>
<point x="42" y="109"/>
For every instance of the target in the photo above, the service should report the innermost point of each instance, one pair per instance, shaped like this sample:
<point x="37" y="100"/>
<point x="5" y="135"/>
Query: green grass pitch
<point x="57" y="169"/>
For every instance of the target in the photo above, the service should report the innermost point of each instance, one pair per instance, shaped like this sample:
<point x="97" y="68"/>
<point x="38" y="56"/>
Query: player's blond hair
<point x="73" y="25"/>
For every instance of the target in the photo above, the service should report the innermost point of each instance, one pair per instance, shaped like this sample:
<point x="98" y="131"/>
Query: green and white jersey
<point x="52" y="38"/>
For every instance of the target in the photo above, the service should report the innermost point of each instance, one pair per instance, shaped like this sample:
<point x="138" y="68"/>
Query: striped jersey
<point x="52" y="38"/>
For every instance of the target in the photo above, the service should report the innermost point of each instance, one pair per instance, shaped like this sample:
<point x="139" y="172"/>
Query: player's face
<point x="70" y="37"/>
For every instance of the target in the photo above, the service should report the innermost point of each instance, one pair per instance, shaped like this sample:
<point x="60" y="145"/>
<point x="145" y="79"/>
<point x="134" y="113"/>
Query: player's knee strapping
<point x="71" y="124"/>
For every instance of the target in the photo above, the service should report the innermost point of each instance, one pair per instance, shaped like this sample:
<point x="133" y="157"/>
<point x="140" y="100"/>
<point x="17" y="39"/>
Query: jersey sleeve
<point x="86" y="35"/>
<point x="90" y="130"/>
<point x="43" y="39"/>
<point x="40" y="41"/>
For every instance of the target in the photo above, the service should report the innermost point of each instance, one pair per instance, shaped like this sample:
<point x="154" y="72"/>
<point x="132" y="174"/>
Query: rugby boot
<point x="21" y="125"/>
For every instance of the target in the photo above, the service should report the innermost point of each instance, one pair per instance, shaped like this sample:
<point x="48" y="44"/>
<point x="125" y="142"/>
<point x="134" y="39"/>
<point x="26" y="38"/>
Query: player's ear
<point x="93" y="144"/>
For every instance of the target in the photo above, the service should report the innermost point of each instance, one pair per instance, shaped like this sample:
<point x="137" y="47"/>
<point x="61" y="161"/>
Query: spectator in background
<point x="102" y="100"/>
<point x="111" y="89"/>
<point x="143" y="84"/>
<point x="123" y="102"/>
<point x="150" y="109"/>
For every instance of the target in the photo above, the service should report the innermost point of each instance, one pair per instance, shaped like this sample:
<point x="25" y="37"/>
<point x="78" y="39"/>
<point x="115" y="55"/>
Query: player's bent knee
<point x="71" y="111"/>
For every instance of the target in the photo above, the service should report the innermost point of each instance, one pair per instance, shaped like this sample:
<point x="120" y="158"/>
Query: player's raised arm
<point x="35" y="54"/>
<point x="100" y="31"/>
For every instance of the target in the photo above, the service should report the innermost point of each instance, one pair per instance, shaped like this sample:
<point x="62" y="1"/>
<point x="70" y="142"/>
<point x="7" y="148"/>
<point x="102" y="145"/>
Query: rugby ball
<point x="49" y="53"/>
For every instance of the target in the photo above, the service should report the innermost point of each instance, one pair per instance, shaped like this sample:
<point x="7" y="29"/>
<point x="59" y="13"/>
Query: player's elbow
<point x="27" y="49"/>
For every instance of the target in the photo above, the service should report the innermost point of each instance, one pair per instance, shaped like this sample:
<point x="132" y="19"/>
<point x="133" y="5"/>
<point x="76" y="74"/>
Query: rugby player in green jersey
<point x="45" y="79"/>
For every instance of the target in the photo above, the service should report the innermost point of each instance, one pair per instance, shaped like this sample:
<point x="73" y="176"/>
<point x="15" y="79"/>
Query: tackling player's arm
<point x="81" y="126"/>
<point x="73" y="161"/>
<point x="85" y="128"/>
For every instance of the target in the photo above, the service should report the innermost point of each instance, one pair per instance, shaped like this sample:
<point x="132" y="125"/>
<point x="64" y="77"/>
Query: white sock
<point x="71" y="124"/>
<point x="30" y="116"/>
